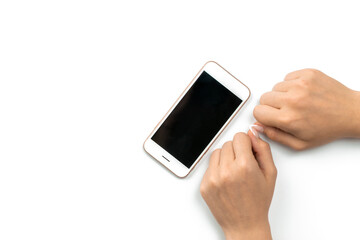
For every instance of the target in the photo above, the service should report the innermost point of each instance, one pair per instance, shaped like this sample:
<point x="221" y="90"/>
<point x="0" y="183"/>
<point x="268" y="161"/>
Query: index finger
<point x="293" y="75"/>
<point x="242" y="145"/>
<point x="282" y="86"/>
<point x="273" y="99"/>
<point x="267" y="115"/>
<point x="227" y="154"/>
<point x="215" y="159"/>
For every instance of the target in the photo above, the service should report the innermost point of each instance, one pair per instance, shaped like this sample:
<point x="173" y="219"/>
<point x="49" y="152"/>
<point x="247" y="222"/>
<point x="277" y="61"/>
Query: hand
<point x="238" y="187"/>
<point x="308" y="109"/>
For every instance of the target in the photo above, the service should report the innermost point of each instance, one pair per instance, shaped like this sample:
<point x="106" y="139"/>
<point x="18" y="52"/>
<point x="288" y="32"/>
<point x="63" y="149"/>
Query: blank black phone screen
<point x="196" y="119"/>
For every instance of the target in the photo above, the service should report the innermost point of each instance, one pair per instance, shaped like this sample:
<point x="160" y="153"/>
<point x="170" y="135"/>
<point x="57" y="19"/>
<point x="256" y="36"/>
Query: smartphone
<point x="196" y="119"/>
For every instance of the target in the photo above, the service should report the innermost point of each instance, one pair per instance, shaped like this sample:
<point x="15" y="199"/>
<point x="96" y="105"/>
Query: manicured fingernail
<point x="254" y="130"/>
<point x="258" y="128"/>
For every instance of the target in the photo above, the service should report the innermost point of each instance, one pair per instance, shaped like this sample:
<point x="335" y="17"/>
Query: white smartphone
<point x="196" y="119"/>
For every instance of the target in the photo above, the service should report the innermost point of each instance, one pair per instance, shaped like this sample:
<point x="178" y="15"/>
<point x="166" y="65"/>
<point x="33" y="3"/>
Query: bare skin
<point x="238" y="187"/>
<point x="309" y="109"/>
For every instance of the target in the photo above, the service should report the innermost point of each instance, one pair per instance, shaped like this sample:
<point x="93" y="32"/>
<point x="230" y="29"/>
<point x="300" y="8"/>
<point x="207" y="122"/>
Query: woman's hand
<point x="308" y="109"/>
<point x="238" y="187"/>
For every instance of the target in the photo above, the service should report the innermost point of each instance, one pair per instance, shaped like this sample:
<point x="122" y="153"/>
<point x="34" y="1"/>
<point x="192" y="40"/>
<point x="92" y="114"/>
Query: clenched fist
<point x="238" y="187"/>
<point x="308" y="109"/>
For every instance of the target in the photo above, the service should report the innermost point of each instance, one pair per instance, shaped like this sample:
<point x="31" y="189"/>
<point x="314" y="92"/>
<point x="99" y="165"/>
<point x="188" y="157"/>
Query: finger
<point x="282" y="86"/>
<point x="262" y="153"/>
<point x="267" y="115"/>
<point x="213" y="170"/>
<point x="293" y="75"/>
<point x="215" y="159"/>
<point x="227" y="153"/>
<point x="273" y="99"/>
<point x="242" y="146"/>
<point x="285" y="138"/>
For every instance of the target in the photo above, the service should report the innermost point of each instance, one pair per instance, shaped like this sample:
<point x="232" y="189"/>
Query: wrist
<point x="354" y="116"/>
<point x="261" y="231"/>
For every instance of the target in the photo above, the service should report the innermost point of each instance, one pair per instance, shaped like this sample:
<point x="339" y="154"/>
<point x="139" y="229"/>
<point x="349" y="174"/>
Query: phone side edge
<point x="166" y="114"/>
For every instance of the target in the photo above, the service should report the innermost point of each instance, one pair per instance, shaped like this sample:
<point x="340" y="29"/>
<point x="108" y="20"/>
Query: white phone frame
<point x="227" y="80"/>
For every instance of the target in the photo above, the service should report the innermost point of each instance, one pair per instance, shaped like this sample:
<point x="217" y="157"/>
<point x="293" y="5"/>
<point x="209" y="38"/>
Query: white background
<point x="82" y="84"/>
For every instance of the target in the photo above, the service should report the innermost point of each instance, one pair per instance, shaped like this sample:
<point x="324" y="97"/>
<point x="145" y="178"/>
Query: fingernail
<point x="254" y="131"/>
<point x="258" y="128"/>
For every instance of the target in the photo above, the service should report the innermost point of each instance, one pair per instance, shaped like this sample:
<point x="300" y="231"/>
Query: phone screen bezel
<point x="228" y="81"/>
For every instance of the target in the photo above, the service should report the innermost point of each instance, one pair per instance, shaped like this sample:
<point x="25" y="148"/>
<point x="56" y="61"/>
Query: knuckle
<point x="293" y="122"/>
<point x="297" y="99"/>
<point x="292" y="99"/>
<point x="227" y="143"/>
<point x="213" y="183"/>
<point x="271" y="133"/>
<point x="287" y="76"/>
<point x="276" y="86"/>
<point x="256" y="111"/>
<point x="311" y="71"/>
<point x="297" y="147"/>
<point x="301" y="97"/>
<point x="245" y="167"/>
<point x="300" y="146"/>
<point x="285" y="119"/>
<point x="264" y="145"/>
<point x="274" y="172"/>
<point x="215" y="152"/>
<point x="225" y="178"/>
<point x="304" y="82"/>
<point x="203" y="189"/>
<point x="309" y="74"/>
<point x="263" y="98"/>
<point x="239" y="136"/>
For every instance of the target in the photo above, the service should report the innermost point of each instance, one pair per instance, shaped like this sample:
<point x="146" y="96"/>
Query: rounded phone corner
<point x="211" y="62"/>
<point x="249" y="91"/>
<point x="144" y="146"/>
<point x="182" y="176"/>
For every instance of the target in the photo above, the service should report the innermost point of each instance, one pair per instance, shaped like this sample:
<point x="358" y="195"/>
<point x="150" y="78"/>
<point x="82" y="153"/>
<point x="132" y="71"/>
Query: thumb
<point x="262" y="153"/>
